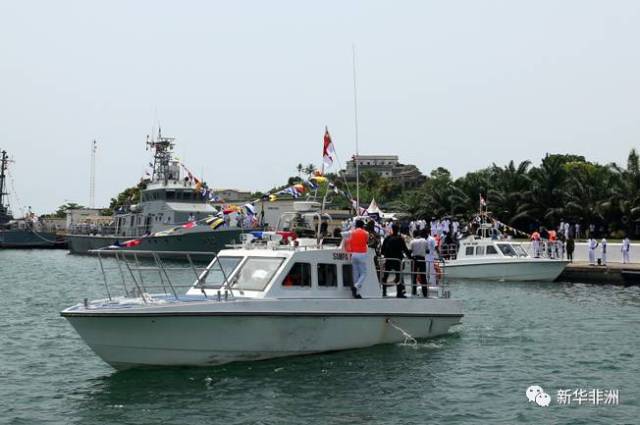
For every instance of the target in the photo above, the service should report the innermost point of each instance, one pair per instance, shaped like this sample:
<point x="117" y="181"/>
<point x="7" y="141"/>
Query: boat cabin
<point x="284" y="273"/>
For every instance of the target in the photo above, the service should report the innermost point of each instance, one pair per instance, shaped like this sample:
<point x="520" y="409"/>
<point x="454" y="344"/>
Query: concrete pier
<point x="582" y="272"/>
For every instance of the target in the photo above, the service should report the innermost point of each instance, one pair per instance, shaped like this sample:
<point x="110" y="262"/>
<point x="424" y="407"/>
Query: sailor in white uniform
<point x="431" y="256"/>
<point x="603" y="244"/>
<point x="592" y="244"/>
<point x="626" y="246"/>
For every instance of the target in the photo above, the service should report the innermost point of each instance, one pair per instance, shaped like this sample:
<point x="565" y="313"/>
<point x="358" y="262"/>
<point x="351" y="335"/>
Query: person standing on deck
<point x="393" y="250"/>
<point x="432" y="247"/>
<point x="626" y="246"/>
<point x="418" y="247"/>
<point x="571" y="246"/>
<point x="356" y="243"/>
<point x="535" y="243"/>
<point x="603" y="244"/>
<point x="592" y="244"/>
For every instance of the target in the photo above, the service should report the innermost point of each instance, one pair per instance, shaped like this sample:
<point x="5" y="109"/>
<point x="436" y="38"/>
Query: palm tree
<point x="299" y="169"/>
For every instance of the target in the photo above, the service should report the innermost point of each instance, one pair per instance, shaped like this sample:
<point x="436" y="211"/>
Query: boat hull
<point x="519" y="271"/>
<point x="195" y="241"/>
<point x="27" y="239"/>
<point x="213" y="338"/>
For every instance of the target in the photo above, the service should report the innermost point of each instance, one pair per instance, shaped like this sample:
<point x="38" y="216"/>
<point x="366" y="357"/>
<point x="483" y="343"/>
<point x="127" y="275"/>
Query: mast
<point x="5" y="216"/>
<point x="3" y="166"/>
<point x="162" y="148"/>
<point x="355" y="119"/>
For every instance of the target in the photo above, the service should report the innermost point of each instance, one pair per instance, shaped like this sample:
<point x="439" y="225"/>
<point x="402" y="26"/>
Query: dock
<point x="611" y="274"/>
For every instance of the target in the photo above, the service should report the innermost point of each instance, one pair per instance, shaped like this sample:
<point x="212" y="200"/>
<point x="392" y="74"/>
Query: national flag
<point x="328" y="150"/>
<point x="189" y="225"/>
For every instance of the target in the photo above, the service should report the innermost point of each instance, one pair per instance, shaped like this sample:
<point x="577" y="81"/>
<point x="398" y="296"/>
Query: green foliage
<point x="562" y="187"/>
<point x="127" y="197"/>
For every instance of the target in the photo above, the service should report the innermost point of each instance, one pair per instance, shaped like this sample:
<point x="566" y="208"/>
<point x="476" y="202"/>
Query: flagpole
<point x="355" y="119"/>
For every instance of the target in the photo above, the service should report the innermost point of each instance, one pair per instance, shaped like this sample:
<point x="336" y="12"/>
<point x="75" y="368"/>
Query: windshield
<point x="520" y="251"/>
<point x="256" y="273"/>
<point x="507" y="250"/>
<point x="219" y="269"/>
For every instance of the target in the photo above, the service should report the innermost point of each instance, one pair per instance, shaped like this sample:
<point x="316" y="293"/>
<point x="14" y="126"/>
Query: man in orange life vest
<point x="356" y="244"/>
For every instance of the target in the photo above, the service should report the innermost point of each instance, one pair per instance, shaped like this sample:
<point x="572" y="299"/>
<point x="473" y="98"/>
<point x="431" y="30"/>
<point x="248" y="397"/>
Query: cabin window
<point x="327" y="275"/>
<point x="491" y="250"/>
<point x="299" y="275"/>
<point x="256" y="273"/>
<point x="347" y="275"/>
<point x="507" y="250"/>
<point x="480" y="250"/>
<point x="468" y="250"/>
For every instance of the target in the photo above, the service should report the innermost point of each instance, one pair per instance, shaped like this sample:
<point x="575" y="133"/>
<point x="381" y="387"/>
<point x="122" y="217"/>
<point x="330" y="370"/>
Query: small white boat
<point x="253" y="303"/>
<point x="482" y="257"/>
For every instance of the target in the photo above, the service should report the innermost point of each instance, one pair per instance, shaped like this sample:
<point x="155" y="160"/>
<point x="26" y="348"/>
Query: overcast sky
<point x="247" y="87"/>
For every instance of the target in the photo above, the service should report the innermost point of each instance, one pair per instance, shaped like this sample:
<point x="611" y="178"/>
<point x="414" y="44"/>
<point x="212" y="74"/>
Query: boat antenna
<point x="355" y="120"/>
<point x="92" y="178"/>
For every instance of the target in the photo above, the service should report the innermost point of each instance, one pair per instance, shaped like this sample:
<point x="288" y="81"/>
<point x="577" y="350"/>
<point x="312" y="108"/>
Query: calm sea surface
<point x="558" y="336"/>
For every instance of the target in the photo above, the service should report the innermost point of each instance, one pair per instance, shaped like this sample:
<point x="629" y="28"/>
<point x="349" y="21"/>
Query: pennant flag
<point x="251" y="210"/>
<point x="189" y="225"/>
<point x="217" y="222"/>
<point x="131" y="243"/>
<point x="273" y="198"/>
<point x="300" y="188"/>
<point x="319" y="179"/>
<point x="328" y="151"/>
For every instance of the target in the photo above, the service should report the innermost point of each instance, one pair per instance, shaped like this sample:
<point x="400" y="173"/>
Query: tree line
<point x="524" y="196"/>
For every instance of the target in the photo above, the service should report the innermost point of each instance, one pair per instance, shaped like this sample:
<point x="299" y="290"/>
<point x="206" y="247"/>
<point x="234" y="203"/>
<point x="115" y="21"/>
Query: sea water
<point x="514" y="335"/>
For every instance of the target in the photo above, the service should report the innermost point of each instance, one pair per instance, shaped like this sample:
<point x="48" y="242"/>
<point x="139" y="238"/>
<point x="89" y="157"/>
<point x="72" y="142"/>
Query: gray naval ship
<point x="170" y="216"/>
<point x="27" y="232"/>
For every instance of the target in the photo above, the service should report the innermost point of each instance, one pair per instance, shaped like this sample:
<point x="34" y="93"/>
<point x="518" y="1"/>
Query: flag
<point x="328" y="151"/>
<point x="189" y="225"/>
<point x="483" y="202"/>
<point x="131" y="243"/>
<point x="251" y="210"/>
<point x="216" y="223"/>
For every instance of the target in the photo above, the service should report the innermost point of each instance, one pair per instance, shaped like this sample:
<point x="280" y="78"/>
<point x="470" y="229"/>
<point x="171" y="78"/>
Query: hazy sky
<point x="247" y="87"/>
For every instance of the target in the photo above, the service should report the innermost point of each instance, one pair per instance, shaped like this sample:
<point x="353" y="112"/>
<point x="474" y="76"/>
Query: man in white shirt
<point x="431" y="256"/>
<point x="603" y="244"/>
<point x="592" y="244"/>
<point x="626" y="246"/>
<point x="418" y="248"/>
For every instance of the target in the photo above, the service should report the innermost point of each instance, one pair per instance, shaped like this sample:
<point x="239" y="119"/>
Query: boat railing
<point x="145" y="274"/>
<point x="449" y="251"/>
<point x="428" y="275"/>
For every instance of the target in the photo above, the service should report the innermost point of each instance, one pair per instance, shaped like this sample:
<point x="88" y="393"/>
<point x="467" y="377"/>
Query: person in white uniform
<point x="603" y="244"/>
<point x="431" y="256"/>
<point x="592" y="244"/>
<point x="626" y="246"/>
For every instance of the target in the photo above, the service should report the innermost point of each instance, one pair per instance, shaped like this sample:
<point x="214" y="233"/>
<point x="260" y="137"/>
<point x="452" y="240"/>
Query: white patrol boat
<point x="254" y="302"/>
<point x="487" y="256"/>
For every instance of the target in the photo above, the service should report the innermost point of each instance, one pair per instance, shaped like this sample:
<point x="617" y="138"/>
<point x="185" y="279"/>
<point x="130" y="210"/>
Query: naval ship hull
<point x="210" y="241"/>
<point x="28" y="239"/>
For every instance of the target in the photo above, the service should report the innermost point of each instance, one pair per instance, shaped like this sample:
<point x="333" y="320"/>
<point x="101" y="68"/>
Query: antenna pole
<point x="3" y="167"/>
<point x="92" y="178"/>
<point x="355" y="120"/>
